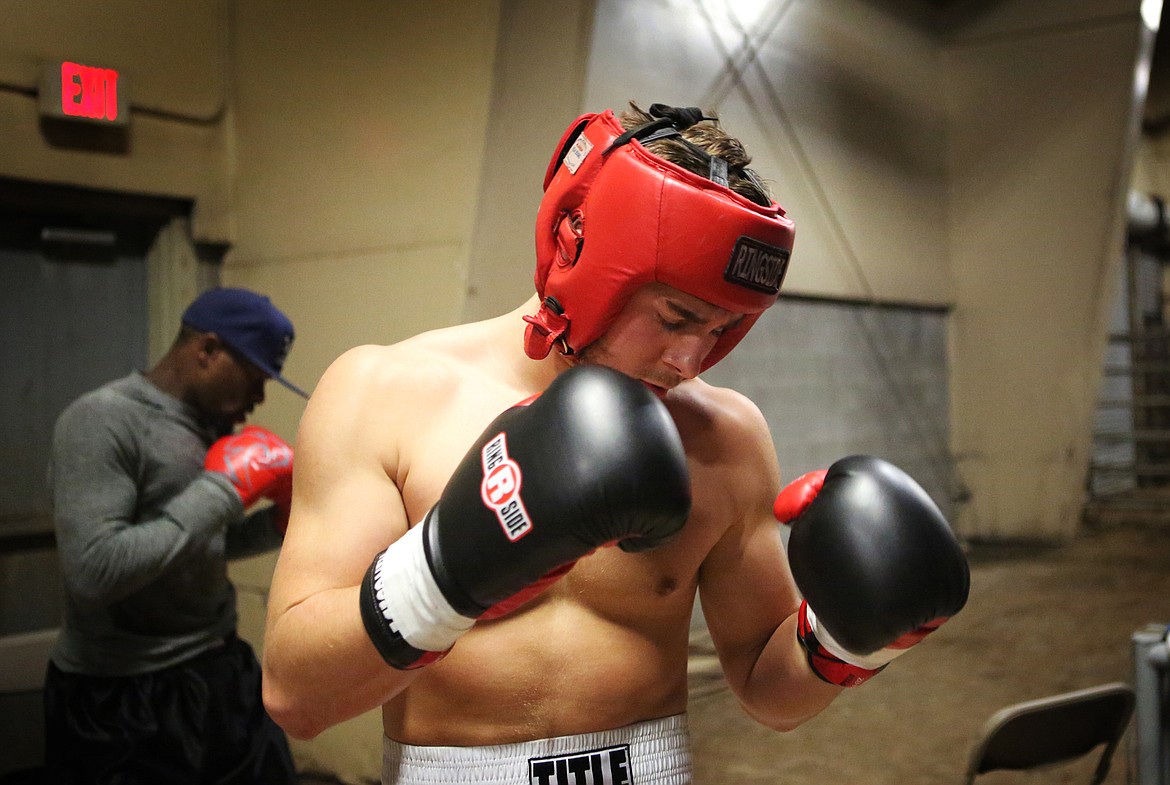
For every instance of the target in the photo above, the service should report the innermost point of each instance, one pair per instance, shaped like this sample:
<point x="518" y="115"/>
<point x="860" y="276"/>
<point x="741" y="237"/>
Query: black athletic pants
<point x="198" y="723"/>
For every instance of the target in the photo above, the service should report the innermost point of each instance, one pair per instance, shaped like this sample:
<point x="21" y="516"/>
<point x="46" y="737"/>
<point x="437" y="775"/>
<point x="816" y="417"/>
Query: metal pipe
<point x="1151" y="659"/>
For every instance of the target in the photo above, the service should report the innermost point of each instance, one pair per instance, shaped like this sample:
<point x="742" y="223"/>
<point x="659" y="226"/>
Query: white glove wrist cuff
<point x="410" y="599"/>
<point x="871" y="661"/>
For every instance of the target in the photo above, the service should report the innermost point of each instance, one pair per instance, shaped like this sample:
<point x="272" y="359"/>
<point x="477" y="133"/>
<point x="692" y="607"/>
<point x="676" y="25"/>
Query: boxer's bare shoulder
<point x="718" y="412"/>
<point x="402" y="387"/>
<point x="727" y="440"/>
<point x="411" y="409"/>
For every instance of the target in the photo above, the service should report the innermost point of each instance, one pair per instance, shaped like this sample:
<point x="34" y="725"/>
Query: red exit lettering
<point x="89" y="92"/>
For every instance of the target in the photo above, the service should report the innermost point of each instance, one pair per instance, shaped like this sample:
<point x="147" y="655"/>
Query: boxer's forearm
<point x="777" y="688"/>
<point x="320" y="667"/>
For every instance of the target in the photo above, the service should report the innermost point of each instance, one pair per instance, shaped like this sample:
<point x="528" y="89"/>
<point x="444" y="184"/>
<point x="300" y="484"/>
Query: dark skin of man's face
<point x="231" y="387"/>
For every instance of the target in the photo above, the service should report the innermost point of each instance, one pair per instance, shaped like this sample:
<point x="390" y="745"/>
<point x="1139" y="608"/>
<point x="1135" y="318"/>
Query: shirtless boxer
<point x="550" y="646"/>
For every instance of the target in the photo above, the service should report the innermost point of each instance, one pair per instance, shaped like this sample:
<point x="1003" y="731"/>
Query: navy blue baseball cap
<point x="249" y="323"/>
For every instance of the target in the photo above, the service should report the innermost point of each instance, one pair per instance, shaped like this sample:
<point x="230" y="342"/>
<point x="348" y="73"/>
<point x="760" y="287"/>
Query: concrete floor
<point x="1038" y="622"/>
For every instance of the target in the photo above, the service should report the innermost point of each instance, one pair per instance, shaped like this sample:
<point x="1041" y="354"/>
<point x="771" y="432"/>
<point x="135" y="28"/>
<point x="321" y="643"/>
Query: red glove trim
<point x="827" y="667"/>
<point x="509" y="604"/>
<point x="914" y="637"/>
<point x="798" y="495"/>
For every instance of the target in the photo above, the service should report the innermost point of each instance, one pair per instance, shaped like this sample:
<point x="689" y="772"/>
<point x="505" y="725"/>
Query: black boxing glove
<point x="595" y="459"/>
<point x="876" y="561"/>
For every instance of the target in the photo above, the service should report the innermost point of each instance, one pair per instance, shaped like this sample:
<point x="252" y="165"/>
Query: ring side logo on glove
<point x="500" y="489"/>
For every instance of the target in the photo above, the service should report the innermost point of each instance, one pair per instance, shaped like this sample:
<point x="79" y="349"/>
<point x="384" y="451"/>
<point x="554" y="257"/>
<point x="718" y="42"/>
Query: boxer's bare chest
<point x="435" y="449"/>
<point x="614" y="582"/>
<point x="630" y="611"/>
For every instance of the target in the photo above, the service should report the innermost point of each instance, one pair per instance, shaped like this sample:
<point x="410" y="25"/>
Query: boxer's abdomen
<point x="590" y="654"/>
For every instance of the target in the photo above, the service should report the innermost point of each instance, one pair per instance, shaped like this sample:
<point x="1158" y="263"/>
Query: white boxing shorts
<point x="655" y="752"/>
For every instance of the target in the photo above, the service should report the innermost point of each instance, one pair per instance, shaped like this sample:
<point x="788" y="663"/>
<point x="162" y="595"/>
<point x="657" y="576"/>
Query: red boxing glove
<point x="257" y="462"/>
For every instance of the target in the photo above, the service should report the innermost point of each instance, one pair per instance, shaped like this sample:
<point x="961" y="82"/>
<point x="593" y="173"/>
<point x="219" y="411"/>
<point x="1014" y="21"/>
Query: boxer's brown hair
<point x="709" y="136"/>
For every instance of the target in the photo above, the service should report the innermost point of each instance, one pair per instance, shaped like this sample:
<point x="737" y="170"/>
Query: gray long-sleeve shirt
<point x="143" y="532"/>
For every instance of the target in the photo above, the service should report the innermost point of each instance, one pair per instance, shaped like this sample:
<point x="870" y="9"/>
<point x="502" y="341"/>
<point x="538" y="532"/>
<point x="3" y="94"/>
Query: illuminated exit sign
<point x="72" y="91"/>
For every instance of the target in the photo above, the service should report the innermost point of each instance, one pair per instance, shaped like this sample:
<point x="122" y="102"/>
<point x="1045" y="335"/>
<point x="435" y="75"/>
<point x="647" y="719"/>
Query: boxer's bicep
<point x="747" y="591"/>
<point x="346" y="508"/>
<point x="745" y="586"/>
<point x="319" y="665"/>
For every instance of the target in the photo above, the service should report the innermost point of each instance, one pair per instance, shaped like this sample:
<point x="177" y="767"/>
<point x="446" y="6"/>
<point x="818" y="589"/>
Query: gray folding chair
<point x="1053" y="730"/>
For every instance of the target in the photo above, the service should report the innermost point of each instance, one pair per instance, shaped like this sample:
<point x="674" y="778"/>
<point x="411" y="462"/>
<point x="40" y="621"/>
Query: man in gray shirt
<point x="151" y="487"/>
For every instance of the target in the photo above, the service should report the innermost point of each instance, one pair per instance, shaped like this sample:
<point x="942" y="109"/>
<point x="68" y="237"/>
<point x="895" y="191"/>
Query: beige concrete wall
<point x="1041" y="111"/>
<point x="359" y="135"/>
<point x="839" y="103"/>
<point x="374" y="167"/>
<point x="541" y="56"/>
<point x="973" y="159"/>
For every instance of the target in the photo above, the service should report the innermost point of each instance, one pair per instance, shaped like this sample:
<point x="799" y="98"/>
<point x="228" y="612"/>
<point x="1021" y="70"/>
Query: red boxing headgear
<point x="615" y="217"/>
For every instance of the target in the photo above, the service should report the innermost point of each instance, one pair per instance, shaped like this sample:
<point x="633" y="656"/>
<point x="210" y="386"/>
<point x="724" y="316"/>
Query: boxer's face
<point x="661" y="337"/>
<point x="232" y="387"/>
